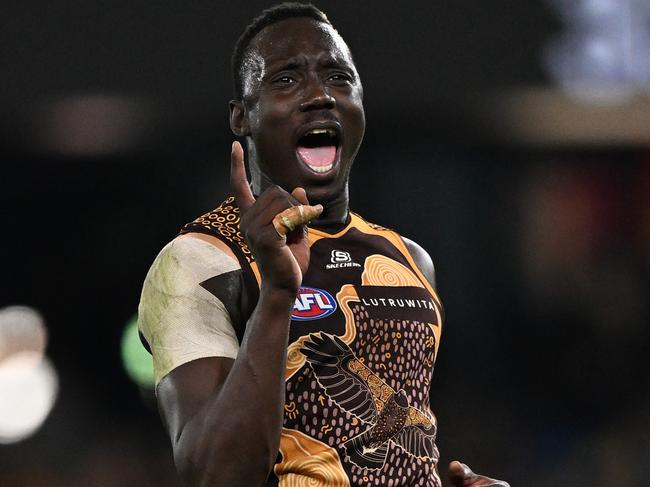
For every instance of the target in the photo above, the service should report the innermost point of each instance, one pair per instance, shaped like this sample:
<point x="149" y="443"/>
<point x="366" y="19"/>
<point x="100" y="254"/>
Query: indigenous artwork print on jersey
<point x="363" y="341"/>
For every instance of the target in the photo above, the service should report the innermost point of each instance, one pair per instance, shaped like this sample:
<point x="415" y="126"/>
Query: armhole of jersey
<point x="402" y="247"/>
<point x="398" y="242"/>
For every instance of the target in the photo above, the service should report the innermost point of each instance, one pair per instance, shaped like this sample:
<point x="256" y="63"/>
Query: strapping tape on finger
<point x="291" y="218"/>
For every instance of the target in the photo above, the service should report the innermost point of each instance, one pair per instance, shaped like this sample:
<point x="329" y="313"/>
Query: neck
<point x="335" y="207"/>
<point x="335" y="211"/>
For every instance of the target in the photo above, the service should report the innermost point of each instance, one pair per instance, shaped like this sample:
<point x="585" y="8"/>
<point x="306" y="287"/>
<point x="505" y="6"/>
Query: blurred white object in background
<point x="28" y="390"/>
<point x="21" y="329"/>
<point x="603" y="54"/>
<point x="28" y="381"/>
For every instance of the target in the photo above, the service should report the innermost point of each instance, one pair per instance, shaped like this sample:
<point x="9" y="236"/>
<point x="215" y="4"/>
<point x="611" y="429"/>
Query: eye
<point x="284" y="80"/>
<point x="340" y="78"/>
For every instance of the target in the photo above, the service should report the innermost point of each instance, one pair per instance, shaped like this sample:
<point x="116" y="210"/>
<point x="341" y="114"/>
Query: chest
<point x="362" y="288"/>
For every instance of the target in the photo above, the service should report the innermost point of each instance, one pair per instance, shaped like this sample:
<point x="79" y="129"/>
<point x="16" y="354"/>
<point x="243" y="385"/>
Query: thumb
<point x="459" y="473"/>
<point x="301" y="195"/>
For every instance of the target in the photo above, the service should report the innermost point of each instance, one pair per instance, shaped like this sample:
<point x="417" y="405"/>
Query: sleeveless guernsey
<point x="364" y="336"/>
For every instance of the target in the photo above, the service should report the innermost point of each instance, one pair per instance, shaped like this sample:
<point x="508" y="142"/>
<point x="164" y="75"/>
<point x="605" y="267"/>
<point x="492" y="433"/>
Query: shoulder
<point x="189" y="259"/>
<point x="422" y="259"/>
<point x="181" y="316"/>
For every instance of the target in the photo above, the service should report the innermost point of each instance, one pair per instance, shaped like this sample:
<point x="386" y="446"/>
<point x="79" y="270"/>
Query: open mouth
<point x="317" y="149"/>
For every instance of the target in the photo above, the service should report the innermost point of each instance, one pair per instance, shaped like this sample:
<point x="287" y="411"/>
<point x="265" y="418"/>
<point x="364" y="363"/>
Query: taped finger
<point x="291" y="218"/>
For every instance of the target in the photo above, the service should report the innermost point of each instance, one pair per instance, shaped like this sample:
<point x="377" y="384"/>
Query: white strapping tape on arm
<point x="181" y="320"/>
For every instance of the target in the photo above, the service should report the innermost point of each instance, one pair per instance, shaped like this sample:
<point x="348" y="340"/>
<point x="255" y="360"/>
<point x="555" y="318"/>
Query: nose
<point x="317" y="98"/>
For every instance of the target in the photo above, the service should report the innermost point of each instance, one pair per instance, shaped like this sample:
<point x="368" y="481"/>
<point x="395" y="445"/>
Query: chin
<point x="326" y="193"/>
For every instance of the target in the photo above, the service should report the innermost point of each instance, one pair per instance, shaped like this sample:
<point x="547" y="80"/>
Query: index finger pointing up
<point x="238" y="181"/>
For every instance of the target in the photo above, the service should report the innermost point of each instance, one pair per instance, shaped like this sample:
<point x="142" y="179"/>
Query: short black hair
<point x="270" y="16"/>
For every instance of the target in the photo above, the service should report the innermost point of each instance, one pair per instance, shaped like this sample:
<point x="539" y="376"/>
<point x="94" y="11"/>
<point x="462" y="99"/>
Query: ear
<point x="238" y="119"/>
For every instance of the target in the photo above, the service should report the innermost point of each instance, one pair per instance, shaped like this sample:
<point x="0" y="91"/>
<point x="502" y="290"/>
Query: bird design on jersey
<point x="362" y="393"/>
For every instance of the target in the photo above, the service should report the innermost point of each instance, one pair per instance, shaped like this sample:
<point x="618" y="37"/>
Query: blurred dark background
<point x="510" y="139"/>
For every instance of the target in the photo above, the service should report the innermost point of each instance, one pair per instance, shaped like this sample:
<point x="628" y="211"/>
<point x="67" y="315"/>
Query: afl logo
<point x="312" y="303"/>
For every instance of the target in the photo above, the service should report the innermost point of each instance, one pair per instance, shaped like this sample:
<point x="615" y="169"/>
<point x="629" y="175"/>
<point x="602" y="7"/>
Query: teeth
<point x="330" y="132"/>
<point x="322" y="168"/>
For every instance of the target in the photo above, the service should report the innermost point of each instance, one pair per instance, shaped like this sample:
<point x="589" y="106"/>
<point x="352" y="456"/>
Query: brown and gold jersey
<point x="364" y="336"/>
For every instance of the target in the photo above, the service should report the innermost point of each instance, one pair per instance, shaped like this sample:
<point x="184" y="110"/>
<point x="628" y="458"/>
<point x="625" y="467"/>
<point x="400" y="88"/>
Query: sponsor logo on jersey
<point x="312" y="303"/>
<point x="341" y="259"/>
<point x="400" y="303"/>
<point x="340" y="256"/>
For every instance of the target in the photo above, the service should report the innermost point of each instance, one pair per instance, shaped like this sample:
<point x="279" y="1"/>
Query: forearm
<point x="234" y="438"/>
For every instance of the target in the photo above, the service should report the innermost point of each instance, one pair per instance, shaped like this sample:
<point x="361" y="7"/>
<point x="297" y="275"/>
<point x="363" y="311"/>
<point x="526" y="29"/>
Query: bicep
<point x="185" y="390"/>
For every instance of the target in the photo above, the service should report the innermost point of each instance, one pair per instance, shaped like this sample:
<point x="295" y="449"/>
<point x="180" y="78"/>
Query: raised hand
<point x="460" y="475"/>
<point x="274" y="227"/>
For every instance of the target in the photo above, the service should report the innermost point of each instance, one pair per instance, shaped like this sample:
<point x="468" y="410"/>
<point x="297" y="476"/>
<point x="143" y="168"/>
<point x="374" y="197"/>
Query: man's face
<point x="303" y="100"/>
